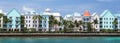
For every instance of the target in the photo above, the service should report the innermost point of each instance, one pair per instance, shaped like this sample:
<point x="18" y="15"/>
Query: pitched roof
<point x="106" y="11"/>
<point x="13" y="10"/>
<point x="77" y="14"/>
<point x="87" y="13"/>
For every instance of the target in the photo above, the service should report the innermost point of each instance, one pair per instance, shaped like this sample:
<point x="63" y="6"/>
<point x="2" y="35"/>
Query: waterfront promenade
<point x="59" y="34"/>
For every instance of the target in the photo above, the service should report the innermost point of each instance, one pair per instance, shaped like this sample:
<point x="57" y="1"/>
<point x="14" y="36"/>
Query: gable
<point x="107" y="14"/>
<point x="13" y="12"/>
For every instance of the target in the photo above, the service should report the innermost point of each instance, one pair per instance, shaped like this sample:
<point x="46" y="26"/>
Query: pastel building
<point x="46" y="15"/>
<point x="118" y="18"/>
<point x="77" y="16"/>
<point x="14" y="20"/>
<point x="106" y="19"/>
<point x="95" y="19"/>
<point x="86" y="18"/>
<point x="69" y="17"/>
<point x="1" y="20"/>
<point x="30" y="22"/>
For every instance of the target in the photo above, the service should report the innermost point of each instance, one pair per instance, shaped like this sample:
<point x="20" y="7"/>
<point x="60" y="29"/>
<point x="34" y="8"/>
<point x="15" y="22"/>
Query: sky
<point x="62" y="6"/>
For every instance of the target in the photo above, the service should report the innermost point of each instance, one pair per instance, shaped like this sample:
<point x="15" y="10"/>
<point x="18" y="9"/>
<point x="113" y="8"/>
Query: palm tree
<point x="65" y="23"/>
<point x="22" y="22"/>
<point x="89" y="27"/>
<point x="71" y="26"/>
<point x="115" y="23"/>
<point x="52" y="22"/>
<point x="55" y="24"/>
<point x="37" y="17"/>
<point x="76" y="24"/>
<point x="95" y="22"/>
<point x="1" y="15"/>
<point x="80" y="24"/>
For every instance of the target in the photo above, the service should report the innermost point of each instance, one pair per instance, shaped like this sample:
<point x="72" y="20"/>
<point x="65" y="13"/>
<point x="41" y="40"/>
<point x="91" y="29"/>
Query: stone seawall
<point x="59" y="34"/>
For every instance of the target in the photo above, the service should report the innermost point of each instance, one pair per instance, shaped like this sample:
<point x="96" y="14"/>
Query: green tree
<point x="95" y="22"/>
<point x="80" y="24"/>
<point x="71" y="26"/>
<point x="39" y="18"/>
<point x="25" y="29"/>
<point x="89" y="27"/>
<point x="53" y="22"/>
<point x="22" y="22"/>
<point x="115" y="23"/>
<point x="1" y="15"/>
<point x="76" y="23"/>
<point x="65" y="23"/>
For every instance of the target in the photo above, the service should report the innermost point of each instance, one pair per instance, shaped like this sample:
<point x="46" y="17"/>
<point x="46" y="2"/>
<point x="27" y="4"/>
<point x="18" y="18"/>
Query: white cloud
<point x="27" y="9"/>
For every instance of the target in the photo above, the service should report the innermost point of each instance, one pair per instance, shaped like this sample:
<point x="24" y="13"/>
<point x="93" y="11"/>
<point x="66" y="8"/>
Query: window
<point x="29" y="17"/>
<point x="17" y="17"/>
<point x="104" y="18"/>
<point x="29" y="25"/>
<point x="35" y="21"/>
<point x="16" y="26"/>
<point x="40" y="25"/>
<point x="26" y="21"/>
<point x="26" y="17"/>
<point x="10" y="26"/>
<point x="106" y="22"/>
<point x="35" y="25"/>
<point x="10" y="17"/>
<point x="29" y="21"/>
<point x="100" y="18"/>
<point x="40" y="21"/>
<point x="26" y="25"/>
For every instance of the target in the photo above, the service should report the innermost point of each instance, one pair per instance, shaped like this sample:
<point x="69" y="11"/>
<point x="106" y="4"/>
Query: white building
<point x="30" y="22"/>
<point x="94" y="17"/>
<point x="68" y="17"/>
<point x="77" y="16"/>
<point x="1" y="20"/>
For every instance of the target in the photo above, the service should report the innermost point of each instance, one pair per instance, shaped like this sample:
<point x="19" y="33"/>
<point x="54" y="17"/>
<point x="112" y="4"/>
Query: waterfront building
<point x="56" y="15"/>
<point x="30" y="22"/>
<point x="95" y="21"/>
<point x="86" y="19"/>
<point x="106" y="20"/>
<point x="14" y="20"/>
<point x="118" y="20"/>
<point x="69" y="17"/>
<point x="1" y="20"/>
<point x="77" y="16"/>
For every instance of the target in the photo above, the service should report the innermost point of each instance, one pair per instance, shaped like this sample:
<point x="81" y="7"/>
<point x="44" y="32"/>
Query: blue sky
<point x="62" y="6"/>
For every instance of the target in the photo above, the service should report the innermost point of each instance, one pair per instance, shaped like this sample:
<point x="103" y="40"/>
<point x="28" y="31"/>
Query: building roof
<point x="87" y="13"/>
<point x="14" y="10"/>
<point x="56" y="14"/>
<point x="106" y="11"/>
<point x="77" y="14"/>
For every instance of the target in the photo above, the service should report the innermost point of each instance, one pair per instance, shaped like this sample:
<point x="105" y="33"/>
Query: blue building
<point x="14" y="20"/>
<point x="106" y="19"/>
<point x="45" y="23"/>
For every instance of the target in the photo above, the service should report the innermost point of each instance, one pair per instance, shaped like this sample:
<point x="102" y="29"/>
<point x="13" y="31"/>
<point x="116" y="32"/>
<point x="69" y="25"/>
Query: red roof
<point x="87" y="13"/>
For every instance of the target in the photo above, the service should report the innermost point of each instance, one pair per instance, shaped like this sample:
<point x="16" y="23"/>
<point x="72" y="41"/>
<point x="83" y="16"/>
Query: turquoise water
<point x="59" y="39"/>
